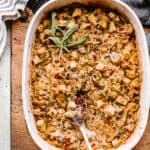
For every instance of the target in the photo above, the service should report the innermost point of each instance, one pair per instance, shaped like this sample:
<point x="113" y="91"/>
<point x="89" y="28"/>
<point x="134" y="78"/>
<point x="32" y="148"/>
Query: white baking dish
<point x="141" y="40"/>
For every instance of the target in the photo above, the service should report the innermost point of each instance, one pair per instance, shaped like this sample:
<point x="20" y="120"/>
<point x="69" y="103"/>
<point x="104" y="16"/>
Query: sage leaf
<point x="59" y="29"/>
<point x="66" y="49"/>
<point x="62" y="43"/>
<point x="49" y="101"/>
<point x="56" y="41"/>
<point x="54" y="23"/>
<point x="79" y="42"/>
<point x="70" y="31"/>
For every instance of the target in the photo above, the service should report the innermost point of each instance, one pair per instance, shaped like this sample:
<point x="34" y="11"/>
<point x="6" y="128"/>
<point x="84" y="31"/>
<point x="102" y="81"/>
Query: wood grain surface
<point x="21" y="140"/>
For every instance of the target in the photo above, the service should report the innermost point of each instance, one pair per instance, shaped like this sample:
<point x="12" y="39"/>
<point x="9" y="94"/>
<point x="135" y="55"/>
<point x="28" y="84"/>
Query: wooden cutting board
<point x="21" y="140"/>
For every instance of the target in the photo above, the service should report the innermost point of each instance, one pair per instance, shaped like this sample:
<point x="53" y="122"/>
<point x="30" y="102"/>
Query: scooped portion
<point x="85" y="54"/>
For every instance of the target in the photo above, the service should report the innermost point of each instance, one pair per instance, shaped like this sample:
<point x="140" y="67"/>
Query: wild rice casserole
<point x="85" y="53"/>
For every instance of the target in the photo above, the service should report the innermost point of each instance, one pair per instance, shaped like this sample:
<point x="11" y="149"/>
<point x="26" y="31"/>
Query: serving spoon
<point x="79" y="119"/>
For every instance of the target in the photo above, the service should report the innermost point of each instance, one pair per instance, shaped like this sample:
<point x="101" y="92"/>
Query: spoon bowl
<point x="79" y="120"/>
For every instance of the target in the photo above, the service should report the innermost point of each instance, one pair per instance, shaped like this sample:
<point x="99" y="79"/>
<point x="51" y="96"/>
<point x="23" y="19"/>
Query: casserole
<point x="140" y="37"/>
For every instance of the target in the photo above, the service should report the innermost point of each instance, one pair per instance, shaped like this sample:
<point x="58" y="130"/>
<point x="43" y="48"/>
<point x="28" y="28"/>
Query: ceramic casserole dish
<point x="144" y="58"/>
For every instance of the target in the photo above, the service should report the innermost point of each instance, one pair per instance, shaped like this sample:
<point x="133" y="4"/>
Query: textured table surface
<point x="5" y="96"/>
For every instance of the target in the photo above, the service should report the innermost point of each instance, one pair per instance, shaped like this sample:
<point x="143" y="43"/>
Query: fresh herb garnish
<point x="56" y="41"/>
<point x="99" y="75"/>
<point x="120" y="134"/>
<point x="79" y="42"/>
<point x="110" y="100"/>
<point x="63" y="44"/>
<point x="49" y="101"/>
<point x="119" y="105"/>
<point x="115" y="126"/>
<point x="37" y="78"/>
<point x="66" y="18"/>
<point x="54" y="23"/>
<point x="70" y="31"/>
<point x="64" y="99"/>
<point x="44" y="56"/>
<point x="47" y="26"/>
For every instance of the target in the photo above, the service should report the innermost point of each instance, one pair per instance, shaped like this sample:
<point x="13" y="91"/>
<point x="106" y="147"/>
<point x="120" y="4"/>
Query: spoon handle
<point x="85" y="137"/>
